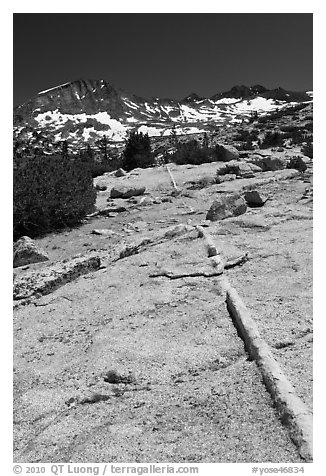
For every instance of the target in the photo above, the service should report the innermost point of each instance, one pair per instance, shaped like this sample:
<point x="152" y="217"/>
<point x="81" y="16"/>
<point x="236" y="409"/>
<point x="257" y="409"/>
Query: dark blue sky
<point x="163" y="55"/>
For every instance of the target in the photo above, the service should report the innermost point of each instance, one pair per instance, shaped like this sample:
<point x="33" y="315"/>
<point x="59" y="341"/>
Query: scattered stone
<point x="107" y="211"/>
<point x="138" y="225"/>
<point x="225" y="153"/>
<point x="178" y="230"/>
<point x="103" y="232"/>
<point x="225" y="206"/>
<point x="100" y="188"/>
<point x="113" y="377"/>
<point x="308" y="193"/>
<point x="254" y="198"/>
<point x="146" y="201"/>
<point x="120" y="173"/>
<point x="27" y="252"/>
<point x="124" y="191"/>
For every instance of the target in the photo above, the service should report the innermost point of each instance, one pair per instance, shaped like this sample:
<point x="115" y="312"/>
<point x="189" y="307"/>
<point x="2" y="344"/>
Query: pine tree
<point x="174" y="138"/>
<point x="205" y="141"/>
<point x="103" y="146"/>
<point x="64" y="149"/>
<point x="137" y="152"/>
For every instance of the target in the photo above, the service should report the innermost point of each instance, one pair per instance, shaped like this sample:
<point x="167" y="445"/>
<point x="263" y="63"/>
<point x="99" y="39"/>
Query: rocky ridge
<point x="85" y="110"/>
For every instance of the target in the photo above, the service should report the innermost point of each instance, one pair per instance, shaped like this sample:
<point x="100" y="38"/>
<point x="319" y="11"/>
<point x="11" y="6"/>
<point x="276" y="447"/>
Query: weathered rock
<point x="269" y="162"/>
<point x="146" y="201"/>
<point x="103" y="231"/>
<point x="254" y="198"/>
<point x="225" y="153"/>
<point x="120" y="173"/>
<point x="255" y="168"/>
<point x="240" y="168"/>
<point x="100" y="188"/>
<point x="297" y="163"/>
<point x="107" y="211"/>
<point x="45" y="282"/>
<point x="27" y="252"/>
<point x="124" y="191"/>
<point x="226" y="206"/>
<point x="178" y="230"/>
<point x="243" y="153"/>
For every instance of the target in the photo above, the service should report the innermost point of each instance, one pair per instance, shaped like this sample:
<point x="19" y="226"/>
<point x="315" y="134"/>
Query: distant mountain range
<point x="84" y="110"/>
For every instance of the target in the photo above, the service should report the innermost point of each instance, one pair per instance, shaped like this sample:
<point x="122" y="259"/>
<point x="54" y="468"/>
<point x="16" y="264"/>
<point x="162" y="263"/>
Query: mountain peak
<point x="85" y="109"/>
<point x="192" y="97"/>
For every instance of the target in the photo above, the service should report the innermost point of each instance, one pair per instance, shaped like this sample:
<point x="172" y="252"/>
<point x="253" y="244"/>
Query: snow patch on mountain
<point x="256" y="104"/>
<point x="225" y="101"/>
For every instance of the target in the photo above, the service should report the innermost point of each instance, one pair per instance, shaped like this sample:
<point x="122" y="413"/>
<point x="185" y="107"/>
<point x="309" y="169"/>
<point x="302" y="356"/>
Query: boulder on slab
<point x="240" y="168"/>
<point x="268" y="162"/>
<point x="226" y="206"/>
<point x="146" y="201"/>
<point x="120" y="173"/>
<point x="123" y="191"/>
<point x="27" y="252"/>
<point x="255" y="168"/>
<point x="103" y="231"/>
<point x="225" y="153"/>
<point x="254" y="198"/>
<point x="100" y="187"/>
<point x="108" y="210"/>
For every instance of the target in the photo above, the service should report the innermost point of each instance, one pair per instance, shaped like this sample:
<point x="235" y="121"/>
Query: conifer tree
<point x="138" y="152"/>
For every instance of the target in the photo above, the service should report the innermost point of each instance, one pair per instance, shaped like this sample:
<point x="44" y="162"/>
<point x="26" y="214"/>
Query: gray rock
<point x="103" y="231"/>
<point x="269" y="162"/>
<point x="27" y="252"/>
<point x="120" y="173"/>
<point x="146" y="201"/>
<point x="100" y="188"/>
<point x="108" y="210"/>
<point x="225" y="153"/>
<point x="254" y="198"/>
<point x="255" y="168"/>
<point x="124" y="191"/>
<point x="225" y="206"/>
<point x="240" y="168"/>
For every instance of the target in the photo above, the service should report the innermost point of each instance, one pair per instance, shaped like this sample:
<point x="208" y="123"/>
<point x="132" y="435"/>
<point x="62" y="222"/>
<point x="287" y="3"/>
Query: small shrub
<point x="50" y="192"/>
<point x="297" y="163"/>
<point x="272" y="139"/>
<point x="191" y="152"/>
<point x="308" y="150"/>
